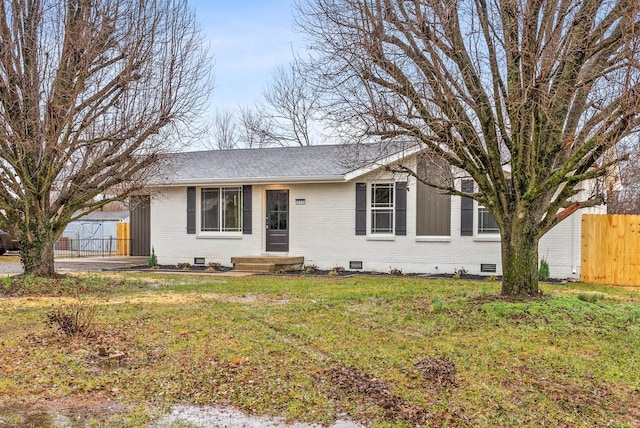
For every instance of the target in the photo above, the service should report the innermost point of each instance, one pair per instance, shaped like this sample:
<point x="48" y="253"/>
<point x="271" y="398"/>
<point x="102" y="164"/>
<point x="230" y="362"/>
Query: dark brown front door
<point x="277" y="220"/>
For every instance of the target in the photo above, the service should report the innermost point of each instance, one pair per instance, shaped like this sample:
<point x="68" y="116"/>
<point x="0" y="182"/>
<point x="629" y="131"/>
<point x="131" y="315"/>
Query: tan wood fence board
<point x="610" y="249"/>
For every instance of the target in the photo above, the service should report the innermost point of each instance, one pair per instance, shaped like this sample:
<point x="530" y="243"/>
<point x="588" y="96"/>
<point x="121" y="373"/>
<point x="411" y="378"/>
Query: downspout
<point x="574" y="231"/>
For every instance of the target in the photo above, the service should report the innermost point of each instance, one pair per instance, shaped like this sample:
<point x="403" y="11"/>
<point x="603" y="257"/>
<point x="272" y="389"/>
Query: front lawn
<point x="380" y="351"/>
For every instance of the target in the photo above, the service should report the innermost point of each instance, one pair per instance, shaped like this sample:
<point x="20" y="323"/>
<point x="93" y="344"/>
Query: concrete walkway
<point x="88" y="264"/>
<point x="93" y="264"/>
<point x="98" y="264"/>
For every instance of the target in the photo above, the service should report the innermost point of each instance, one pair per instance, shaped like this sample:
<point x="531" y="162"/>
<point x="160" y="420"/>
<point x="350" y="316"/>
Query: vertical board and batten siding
<point x="611" y="249"/>
<point x="140" y="231"/>
<point x="433" y="212"/>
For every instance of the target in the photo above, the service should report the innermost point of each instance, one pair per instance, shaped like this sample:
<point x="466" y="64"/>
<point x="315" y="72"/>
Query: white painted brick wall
<point x="323" y="231"/>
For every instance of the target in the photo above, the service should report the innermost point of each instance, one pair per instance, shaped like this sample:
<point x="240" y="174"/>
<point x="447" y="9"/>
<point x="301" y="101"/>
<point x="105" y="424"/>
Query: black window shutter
<point x="191" y="210"/>
<point x="466" y="206"/>
<point x="246" y="210"/>
<point x="361" y="208"/>
<point x="401" y="208"/>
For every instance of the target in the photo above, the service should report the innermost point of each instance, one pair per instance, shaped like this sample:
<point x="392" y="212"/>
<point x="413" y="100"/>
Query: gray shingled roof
<point x="279" y="164"/>
<point x="324" y="163"/>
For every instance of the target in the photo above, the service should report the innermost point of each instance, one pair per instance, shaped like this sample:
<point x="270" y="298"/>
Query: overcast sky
<point x="249" y="38"/>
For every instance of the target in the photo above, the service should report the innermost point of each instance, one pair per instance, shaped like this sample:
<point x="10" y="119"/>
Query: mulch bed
<point x="323" y="273"/>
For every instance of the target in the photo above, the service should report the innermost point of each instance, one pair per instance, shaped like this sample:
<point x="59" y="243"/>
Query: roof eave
<point x="253" y="180"/>
<point x="352" y="175"/>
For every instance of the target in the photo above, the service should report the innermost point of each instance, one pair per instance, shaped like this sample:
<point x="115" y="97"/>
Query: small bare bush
<point x="74" y="319"/>
<point x="310" y="269"/>
<point x="337" y="270"/>
<point x="395" y="271"/>
<point x="214" y="266"/>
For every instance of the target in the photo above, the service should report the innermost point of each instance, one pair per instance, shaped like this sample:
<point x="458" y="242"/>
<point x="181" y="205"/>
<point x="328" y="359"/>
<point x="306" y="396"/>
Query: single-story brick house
<point x="305" y="201"/>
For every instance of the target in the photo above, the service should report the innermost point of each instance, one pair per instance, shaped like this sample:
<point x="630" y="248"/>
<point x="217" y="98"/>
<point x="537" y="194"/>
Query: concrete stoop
<point x="267" y="263"/>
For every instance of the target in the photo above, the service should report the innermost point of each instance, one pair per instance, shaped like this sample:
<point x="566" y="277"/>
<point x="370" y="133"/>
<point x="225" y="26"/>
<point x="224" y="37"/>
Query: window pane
<point x="232" y="210"/>
<point x="282" y="221"/>
<point x="277" y="210"/>
<point x="382" y="208"/>
<point x="382" y="221"/>
<point x="210" y="208"/>
<point x="486" y="222"/>
<point x="382" y="195"/>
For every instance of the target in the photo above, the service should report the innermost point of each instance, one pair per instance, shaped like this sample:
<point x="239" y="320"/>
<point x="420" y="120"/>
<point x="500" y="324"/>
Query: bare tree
<point x="255" y="128"/>
<point x="92" y="93"/>
<point x="224" y="131"/>
<point x="523" y="96"/>
<point x="292" y="105"/>
<point x="624" y="198"/>
<point x="288" y="111"/>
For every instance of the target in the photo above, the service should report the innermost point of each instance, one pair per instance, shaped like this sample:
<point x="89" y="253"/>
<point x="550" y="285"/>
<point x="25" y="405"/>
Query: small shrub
<point x="337" y="270"/>
<point x="395" y="271"/>
<point x="310" y="269"/>
<point x="74" y="319"/>
<point x="459" y="273"/>
<point x="184" y="266"/>
<point x="492" y="278"/>
<point x="214" y="266"/>
<point x="153" y="259"/>
<point x="543" y="273"/>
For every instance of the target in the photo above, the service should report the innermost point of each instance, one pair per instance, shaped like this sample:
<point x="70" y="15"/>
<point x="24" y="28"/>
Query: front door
<point x="277" y="220"/>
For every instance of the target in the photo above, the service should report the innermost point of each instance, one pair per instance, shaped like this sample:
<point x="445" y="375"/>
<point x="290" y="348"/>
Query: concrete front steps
<point x="267" y="263"/>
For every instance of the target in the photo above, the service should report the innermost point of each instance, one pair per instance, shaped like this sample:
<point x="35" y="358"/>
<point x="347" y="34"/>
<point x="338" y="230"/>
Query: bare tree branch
<point x="224" y="132"/>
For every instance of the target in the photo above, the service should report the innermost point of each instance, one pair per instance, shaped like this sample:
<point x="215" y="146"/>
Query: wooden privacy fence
<point x="610" y="249"/>
<point x="123" y="243"/>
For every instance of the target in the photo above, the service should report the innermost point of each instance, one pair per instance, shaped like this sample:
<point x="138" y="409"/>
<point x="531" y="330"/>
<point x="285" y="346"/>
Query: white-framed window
<point x="382" y="207"/>
<point x="486" y="223"/>
<point x="221" y="209"/>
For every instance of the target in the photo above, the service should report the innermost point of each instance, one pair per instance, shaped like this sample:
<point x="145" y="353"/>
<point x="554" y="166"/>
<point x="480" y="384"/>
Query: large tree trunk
<point x="36" y="248"/>
<point x="520" y="261"/>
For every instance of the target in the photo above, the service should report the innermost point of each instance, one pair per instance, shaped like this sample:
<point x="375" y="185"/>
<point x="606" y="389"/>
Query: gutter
<point x="253" y="180"/>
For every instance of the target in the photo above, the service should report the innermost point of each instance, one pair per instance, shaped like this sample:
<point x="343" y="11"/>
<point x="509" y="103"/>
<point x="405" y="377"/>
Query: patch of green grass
<point x="311" y="349"/>
<point x="29" y="285"/>
<point x="437" y="305"/>
<point x="589" y="298"/>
